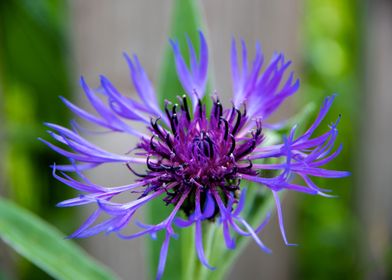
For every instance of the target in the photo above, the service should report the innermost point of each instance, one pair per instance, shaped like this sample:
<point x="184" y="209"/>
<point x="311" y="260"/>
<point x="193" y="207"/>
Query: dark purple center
<point x="198" y="152"/>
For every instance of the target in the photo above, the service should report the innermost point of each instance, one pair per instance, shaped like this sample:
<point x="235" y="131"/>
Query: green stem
<point x="188" y="253"/>
<point x="229" y="258"/>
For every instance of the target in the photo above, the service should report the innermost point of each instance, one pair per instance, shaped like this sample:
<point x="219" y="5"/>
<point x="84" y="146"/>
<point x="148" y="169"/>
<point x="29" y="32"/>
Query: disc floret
<point x="199" y="152"/>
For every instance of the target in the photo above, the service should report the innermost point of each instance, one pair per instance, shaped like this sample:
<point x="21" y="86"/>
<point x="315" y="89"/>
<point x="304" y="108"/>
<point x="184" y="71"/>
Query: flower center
<point x="208" y="154"/>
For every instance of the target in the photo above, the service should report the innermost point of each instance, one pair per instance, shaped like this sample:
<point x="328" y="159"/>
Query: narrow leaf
<point x="45" y="246"/>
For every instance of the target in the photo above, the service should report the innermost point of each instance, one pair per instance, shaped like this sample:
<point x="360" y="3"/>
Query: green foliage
<point x="45" y="246"/>
<point x="328" y="228"/>
<point x="33" y="73"/>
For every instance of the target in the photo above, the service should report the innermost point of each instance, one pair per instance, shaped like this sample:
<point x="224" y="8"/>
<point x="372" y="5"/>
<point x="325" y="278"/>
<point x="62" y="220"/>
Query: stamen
<point x="158" y="151"/>
<point x="231" y="115"/>
<point x="247" y="169"/>
<point x="172" y="125"/>
<point x="174" y="112"/>
<point x="220" y="108"/>
<point x="211" y="146"/>
<point x="169" y="168"/>
<point x="186" y="109"/>
<point x="156" y="169"/>
<point x="248" y="150"/>
<point x="237" y="124"/>
<point x="232" y="147"/>
<point x="164" y="179"/>
<point x="259" y="128"/>
<point x="155" y="126"/>
<point x="175" y="119"/>
<point x="170" y="117"/>
<point x="174" y="109"/>
<point x="217" y="109"/>
<point x="152" y="145"/>
<point x="168" y="141"/>
<point x="226" y="127"/>
<point x="200" y="109"/>
<point x="167" y="110"/>
<point x="134" y="172"/>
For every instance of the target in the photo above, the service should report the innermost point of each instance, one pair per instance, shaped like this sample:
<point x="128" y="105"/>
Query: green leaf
<point x="45" y="246"/>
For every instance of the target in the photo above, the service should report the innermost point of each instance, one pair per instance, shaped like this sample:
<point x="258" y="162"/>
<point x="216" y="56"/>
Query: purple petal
<point x="86" y="224"/>
<point x="209" y="206"/>
<point x="163" y="256"/>
<point x="110" y="119"/>
<point x="199" y="245"/>
<point x="241" y="202"/>
<point x="193" y="80"/>
<point x="280" y="218"/>
<point x="263" y="223"/>
<point x="143" y="86"/>
<point x="255" y="237"/>
<point x="125" y="107"/>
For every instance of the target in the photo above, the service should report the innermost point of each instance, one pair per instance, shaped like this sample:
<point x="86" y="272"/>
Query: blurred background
<point x="342" y="46"/>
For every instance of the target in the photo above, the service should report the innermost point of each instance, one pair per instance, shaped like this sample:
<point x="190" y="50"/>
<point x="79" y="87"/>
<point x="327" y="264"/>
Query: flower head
<point x="196" y="160"/>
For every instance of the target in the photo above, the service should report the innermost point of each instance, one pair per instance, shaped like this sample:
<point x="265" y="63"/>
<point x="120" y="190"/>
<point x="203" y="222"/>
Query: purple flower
<point x="195" y="160"/>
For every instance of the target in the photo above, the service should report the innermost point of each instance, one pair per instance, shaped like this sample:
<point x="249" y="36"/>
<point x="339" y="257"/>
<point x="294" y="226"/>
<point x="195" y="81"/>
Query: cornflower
<point x="196" y="161"/>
